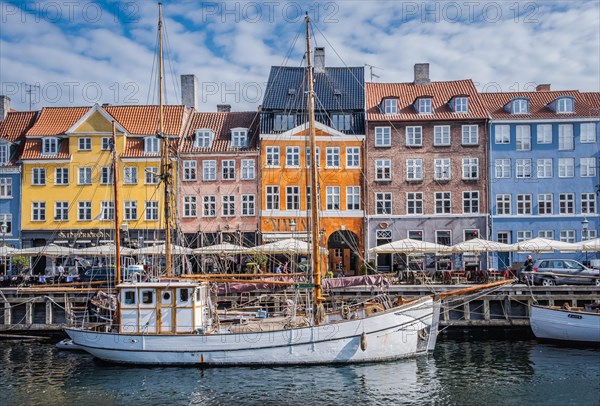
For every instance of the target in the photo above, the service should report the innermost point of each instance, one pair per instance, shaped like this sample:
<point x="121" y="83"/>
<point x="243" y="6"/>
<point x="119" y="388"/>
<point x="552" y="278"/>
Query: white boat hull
<point x="565" y="325"/>
<point x="405" y="331"/>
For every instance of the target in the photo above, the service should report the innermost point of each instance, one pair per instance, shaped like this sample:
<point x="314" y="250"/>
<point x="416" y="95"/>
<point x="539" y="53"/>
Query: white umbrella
<point x="410" y="246"/>
<point x="480" y="245"/>
<point x="101" y="250"/>
<point x="5" y="251"/>
<point x="161" y="249"/>
<point x="51" y="250"/>
<point x="538" y="245"/>
<point x="287" y="246"/>
<point x="225" y="248"/>
<point x="590" y="245"/>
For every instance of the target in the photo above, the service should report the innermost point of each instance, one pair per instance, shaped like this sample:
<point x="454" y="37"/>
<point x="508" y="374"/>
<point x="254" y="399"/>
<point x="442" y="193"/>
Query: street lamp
<point x="293" y="226"/>
<point x="4" y="228"/>
<point x="584" y="233"/>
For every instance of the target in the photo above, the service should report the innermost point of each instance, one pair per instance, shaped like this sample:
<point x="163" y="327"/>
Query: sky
<point x="79" y="52"/>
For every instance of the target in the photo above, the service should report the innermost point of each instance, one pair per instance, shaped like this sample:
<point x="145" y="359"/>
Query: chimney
<point x="544" y="87"/>
<point x="224" y="108"/>
<point x="319" y="60"/>
<point x="422" y="74"/>
<point x="4" y="107"/>
<point x="189" y="91"/>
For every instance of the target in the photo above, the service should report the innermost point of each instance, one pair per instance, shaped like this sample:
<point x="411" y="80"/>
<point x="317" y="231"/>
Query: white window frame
<point x="523" y="138"/>
<point x="106" y="175"/>
<point x="151" y="145"/>
<point x="333" y="197"/>
<point x="190" y="170"/>
<point x="545" y="203"/>
<point x="566" y="167"/>
<point x="239" y="138"/>
<point x="209" y="206"/>
<point x="130" y="210"/>
<point x="587" y="167"/>
<point x="414" y="170"/>
<point x="61" y="176"/>
<point x="524" y="235"/>
<point x="502" y="168"/>
<point x="441" y="135"/>
<point x="209" y="170"/>
<point x="520" y="106"/>
<point x="248" y="205"/>
<point x="49" y="146"/>
<point x="443" y="202"/>
<point x="38" y="176"/>
<point x="565" y="137"/>
<point x="341" y="121"/>
<point x="292" y="197"/>
<point x="425" y="105"/>
<point x="204" y="138"/>
<point x="352" y="157"/>
<point x="502" y="134"/>
<point x="470" y="168"/>
<point x="248" y="169"/>
<point x="523" y="168"/>
<point x="272" y="197"/>
<point x="292" y="157"/>
<point x="332" y="157"/>
<point x="151" y="175"/>
<point x="503" y="204"/>
<point x="568" y="236"/>
<point x="414" y="136"/>
<point x="414" y="202"/>
<point x="548" y="234"/>
<point x="38" y="211"/>
<point x="383" y="202"/>
<point x="151" y="210"/>
<point x="190" y="206"/>
<point x="544" y="133"/>
<point x="84" y="211"/>
<point x="470" y="134"/>
<point x="390" y="106"/>
<point x="587" y="133"/>
<point x="4" y="152"/>
<point x="106" y="143"/>
<point x="564" y="105"/>
<point x="470" y="202"/>
<point x="130" y="175"/>
<point x="228" y="169"/>
<point x="524" y="204"/>
<point x="6" y="188"/>
<point x="383" y="170"/>
<point x="588" y="204"/>
<point x="228" y="205"/>
<point x="84" y="144"/>
<point x="107" y="210"/>
<point x="461" y="104"/>
<point x="442" y="169"/>
<point x="272" y="157"/>
<point x="566" y="203"/>
<point x="61" y="211"/>
<point x="352" y="197"/>
<point x="544" y="168"/>
<point x="283" y="122"/>
<point x="383" y="136"/>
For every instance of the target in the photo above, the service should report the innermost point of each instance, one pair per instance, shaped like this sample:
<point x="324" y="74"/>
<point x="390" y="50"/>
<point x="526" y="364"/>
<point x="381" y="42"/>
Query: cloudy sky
<point x="79" y="52"/>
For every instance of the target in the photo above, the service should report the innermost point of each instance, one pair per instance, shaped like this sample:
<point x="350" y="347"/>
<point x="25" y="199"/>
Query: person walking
<point x="527" y="268"/>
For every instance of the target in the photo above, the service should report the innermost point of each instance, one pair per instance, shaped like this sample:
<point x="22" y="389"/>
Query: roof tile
<point x="538" y="104"/>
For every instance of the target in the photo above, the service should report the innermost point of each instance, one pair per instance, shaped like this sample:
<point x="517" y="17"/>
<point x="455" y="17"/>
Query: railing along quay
<point x="507" y="306"/>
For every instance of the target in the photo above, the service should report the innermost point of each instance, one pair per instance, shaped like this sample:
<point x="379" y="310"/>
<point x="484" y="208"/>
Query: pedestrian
<point x="527" y="267"/>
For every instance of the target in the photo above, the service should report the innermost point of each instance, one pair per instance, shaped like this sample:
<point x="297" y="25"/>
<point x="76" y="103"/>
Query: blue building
<point x="544" y="177"/>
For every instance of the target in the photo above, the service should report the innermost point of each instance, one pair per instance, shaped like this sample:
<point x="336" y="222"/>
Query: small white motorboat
<point x="68" y="345"/>
<point x="567" y="324"/>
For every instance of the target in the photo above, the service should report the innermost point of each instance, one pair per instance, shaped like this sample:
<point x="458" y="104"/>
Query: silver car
<point x="550" y="272"/>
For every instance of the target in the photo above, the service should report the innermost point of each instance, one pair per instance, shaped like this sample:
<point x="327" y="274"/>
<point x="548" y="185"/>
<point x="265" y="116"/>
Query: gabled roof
<point x="538" y="104"/>
<point x="33" y="150"/>
<point x="221" y="123"/>
<point x="134" y="148"/>
<point x="143" y="120"/>
<point x="407" y="93"/>
<point x="338" y="88"/>
<point x="16" y="124"/>
<point x="54" y="121"/>
<point x="593" y="99"/>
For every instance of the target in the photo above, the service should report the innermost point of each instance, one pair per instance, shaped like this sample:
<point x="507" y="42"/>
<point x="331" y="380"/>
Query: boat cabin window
<point x="198" y="295"/>
<point x="129" y="296"/>
<point x="147" y="296"/>
<point x="166" y="297"/>
<point x="184" y="295"/>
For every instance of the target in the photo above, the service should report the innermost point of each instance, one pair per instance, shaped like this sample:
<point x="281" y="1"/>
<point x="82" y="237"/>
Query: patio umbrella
<point x="225" y="248"/>
<point x="51" y="250"/>
<point x="410" y="246"/>
<point x="101" y="251"/>
<point x="160" y="250"/>
<point x="6" y="251"/>
<point x="287" y="246"/>
<point x="480" y="245"/>
<point x="590" y="245"/>
<point x="539" y="245"/>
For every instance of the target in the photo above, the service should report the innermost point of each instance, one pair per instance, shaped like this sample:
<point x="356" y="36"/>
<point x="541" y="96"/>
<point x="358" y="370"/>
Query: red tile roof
<point x="143" y="120"/>
<point x="538" y="104"/>
<point x="56" y="120"/>
<point x="593" y="99"/>
<point x="16" y="124"/>
<point x="33" y="150"/>
<point x="134" y="148"/>
<point x="407" y="93"/>
<point x="221" y="123"/>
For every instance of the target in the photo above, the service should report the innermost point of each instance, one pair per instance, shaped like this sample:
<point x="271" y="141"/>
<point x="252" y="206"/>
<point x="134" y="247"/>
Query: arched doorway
<point x="343" y="253"/>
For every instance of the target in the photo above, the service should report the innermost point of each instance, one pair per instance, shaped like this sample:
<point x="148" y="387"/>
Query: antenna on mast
<point x="371" y="67"/>
<point x="29" y="89"/>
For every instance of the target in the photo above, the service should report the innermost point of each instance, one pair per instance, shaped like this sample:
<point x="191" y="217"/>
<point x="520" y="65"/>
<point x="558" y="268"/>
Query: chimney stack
<point x="544" y="87"/>
<point x="319" y="60"/>
<point x="4" y="106"/>
<point x="189" y="91"/>
<point x="422" y="74"/>
<point x="224" y="108"/>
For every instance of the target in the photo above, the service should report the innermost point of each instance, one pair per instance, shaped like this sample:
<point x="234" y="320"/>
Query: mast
<point x="314" y="201"/>
<point x="165" y="159"/>
<point x="115" y="179"/>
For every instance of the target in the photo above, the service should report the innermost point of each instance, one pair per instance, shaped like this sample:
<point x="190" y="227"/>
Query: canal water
<point x="505" y="369"/>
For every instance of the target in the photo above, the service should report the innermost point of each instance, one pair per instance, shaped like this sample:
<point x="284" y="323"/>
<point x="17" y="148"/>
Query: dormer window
<point x="204" y="138"/>
<point x="520" y="106"/>
<point x="50" y="146"/>
<point x="564" y="105"/>
<point x="283" y="122"/>
<point x="423" y="105"/>
<point x="4" y="153"/>
<point x="151" y="145"/>
<point x="461" y="105"/>
<point x="390" y="106"/>
<point x="239" y="138"/>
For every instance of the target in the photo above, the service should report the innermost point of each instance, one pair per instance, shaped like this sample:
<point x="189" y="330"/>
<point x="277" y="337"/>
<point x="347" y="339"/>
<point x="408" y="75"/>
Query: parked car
<point x="550" y="272"/>
<point x="97" y="274"/>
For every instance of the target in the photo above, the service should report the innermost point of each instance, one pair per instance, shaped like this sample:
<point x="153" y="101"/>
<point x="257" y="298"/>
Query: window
<point x="333" y="197"/>
<point x="130" y="210"/>
<point x="441" y="135"/>
<point x="151" y="145"/>
<point x="503" y="204"/>
<point x="151" y="210"/>
<point x="523" y="204"/>
<point x="383" y="136"/>
<point x="106" y="144"/>
<point x="209" y="170"/>
<point x="308" y="198"/>
<point x="272" y="157"/>
<point x="272" y="200"/>
<point x="209" y="206"/>
<point x="352" y="157"/>
<point x="85" y="144"/>
<point x="228" y="205"/>
<point x="332" y="157"/>
<point x="502" y="168"/>
<point x="470" y="135"/>
<point x="292" y="197"/>
<point x="470" y="168"/>
<point x="442" y="169"/>
<point x="503" y="237"/>
<point x="107" y="210"/>
<point x="38" y="211"/>
<point x="129" y="297"/>
<point x="523" y="138"/>
<point x="383" y="170"/>
<point x="130" y="175"/>
<point x="190" y="206"/>
<point x="545" y="203"/>
<point x="61" y="176"/>
<point x="353" y="197"/>
<point x="239" y="138"/>
<point x="566" y="167"/>
<point x="502" y="134"/>
<point x="544" y="133"/>
<point x="292" y="157"/>
<point x="147" y="296"/>
<point x="106" y="176"/>
<point x="5" y="187"/>
<point x="544" y="168"/>
<point x="318" y="156"/>
<point x="414" y="169"/>
<point x="443" y="203"/>
<point x="523" y="169"/>
<point x="564" y="105"/>
<point x="461" y="105"/>
<point x="587" y="133"/>
<point x="587" y="167"/>
<point x="524" y="235"/>
<point x="84" y="176"/>
<point x="414" y="203"/>
<point x="6" y="219"/>
<point x="424" y="106"/>
<point x="567" y="236"/>
<point x="588" y="203"/>
<point x="390" y="106"/>
<point x="248" y="205"/>
<point x="383" y="202"/>
<point x="38" y="176"/>
<point x="4" y="153"/>
<point x="566" y="203"/>
<point x="549" y="234"/>
<point x="204" y="138"/>
<point x="283" y="122"/>
<point x="84" y="211"/>
<point x="248" y="169"/>
<point x="228" y="169"/>
<point x="414" y="136"/>
<point x="415" y="235"/>
<point x="189" y="170"/>
<point x="565" y="137"/>
<point x="151" y="175"/>
<point x="49" y="146"/>
<point x="471" y="202"/>
<point x="61" y="211"/>
<point x="520" y="106"/>
<point x="341" y="121"/>
<point x="443" y="237"/>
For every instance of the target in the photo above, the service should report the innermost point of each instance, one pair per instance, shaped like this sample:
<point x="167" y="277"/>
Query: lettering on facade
<point x="285" y="224"/>
<point x="76" y="235"/>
